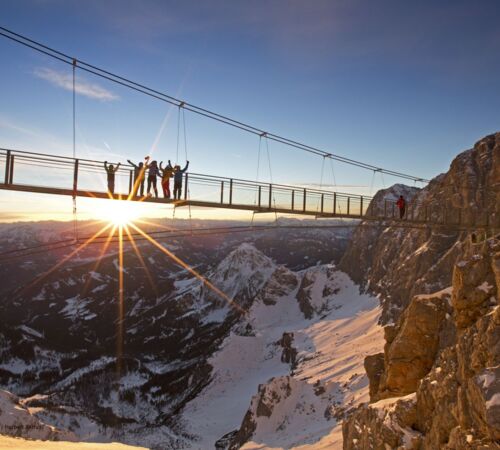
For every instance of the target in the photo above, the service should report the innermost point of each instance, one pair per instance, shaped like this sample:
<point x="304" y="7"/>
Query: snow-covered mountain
<point x="58" y="340"/>
<point x="300" y="373"/>
<point x="288" y="354"/>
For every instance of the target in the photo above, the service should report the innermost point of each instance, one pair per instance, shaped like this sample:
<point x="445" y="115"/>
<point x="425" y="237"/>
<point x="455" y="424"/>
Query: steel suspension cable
<point x="187" y="184"/>
<point x="37" y="46"/>
<point x="75" y="216"/>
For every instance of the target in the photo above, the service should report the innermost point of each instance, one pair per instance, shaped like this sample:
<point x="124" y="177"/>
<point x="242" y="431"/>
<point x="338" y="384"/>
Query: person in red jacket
<point x="401" y="204"/>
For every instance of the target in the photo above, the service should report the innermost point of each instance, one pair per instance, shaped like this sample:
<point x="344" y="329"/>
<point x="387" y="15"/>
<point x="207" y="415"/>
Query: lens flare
<point x="119" y="213"/>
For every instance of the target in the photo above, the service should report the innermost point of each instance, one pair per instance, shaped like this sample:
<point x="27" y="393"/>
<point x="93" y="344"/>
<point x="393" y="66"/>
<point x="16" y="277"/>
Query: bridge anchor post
<point x="11" y="170"/>
<point x="7" y="167"/>
<point x="75" y="178"/>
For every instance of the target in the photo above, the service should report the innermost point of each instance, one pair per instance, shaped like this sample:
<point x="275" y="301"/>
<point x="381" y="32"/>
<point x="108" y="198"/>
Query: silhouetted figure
<point x="178" y="172"/>
<point x="111" y="170"/>
<point x="166" y="174"/>
<point x="139" y="177"/>
<point x="153" y="173"/>
<point x="401" y="204"/>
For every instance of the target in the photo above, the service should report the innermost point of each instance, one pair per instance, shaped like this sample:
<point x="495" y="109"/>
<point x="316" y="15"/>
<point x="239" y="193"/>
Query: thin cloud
<point x="82" y="86"/>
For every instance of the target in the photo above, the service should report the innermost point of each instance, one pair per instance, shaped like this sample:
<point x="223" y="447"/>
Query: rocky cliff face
<point x="437" y="384"/>
<point x="399" y="262"/>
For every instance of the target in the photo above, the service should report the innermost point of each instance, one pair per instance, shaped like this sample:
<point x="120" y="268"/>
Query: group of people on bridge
<point x="154" y="170"/>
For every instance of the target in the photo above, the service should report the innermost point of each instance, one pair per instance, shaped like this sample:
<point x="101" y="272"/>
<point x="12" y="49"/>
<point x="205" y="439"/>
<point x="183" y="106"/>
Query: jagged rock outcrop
<point x="289" y="354"/>
<point x="281" y="404"/>
<point x="456" y="392"/>
<point x="16" y="420"/>
<point x="262" y="405"/>
<point x="412" y="345"/>
<point x="473" y="287"/>
<point x="316" y="285"/>
<point x="384" y="425"/>
<point x="374" y="367"/>
<point x="282" y="282"/>
<point x="399" y="262"/>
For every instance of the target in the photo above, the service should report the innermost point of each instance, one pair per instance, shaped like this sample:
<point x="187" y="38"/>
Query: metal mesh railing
<point x="60" y="174"/>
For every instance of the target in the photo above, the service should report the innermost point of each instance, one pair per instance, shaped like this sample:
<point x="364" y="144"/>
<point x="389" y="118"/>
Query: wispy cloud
<point x="82" y="86"/>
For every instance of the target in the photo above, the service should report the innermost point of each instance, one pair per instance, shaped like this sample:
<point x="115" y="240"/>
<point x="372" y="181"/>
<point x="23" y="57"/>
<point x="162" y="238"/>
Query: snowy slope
<point x="203" y="364"/>
<point x="330" y="352"/>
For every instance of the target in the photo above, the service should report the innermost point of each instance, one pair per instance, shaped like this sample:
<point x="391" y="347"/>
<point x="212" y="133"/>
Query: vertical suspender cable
<point x="75" y="217"/>
<point x="321" y="182"/>
<point x="178" y="135"/>
<point x="186" y="154"/>
<point x="177" y="152"/>
<point x="372" y="182"/>
<point x="271" y="177"/>
<point x="257" y="179"/>
<point x="335" y="186"/>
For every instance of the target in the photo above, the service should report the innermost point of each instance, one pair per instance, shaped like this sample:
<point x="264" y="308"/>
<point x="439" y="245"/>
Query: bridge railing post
<point x="348" y="205"/>
<point x="186" y="187"/>
<point x="260" y="195"/>
<point x="11" y="170"/>
<point x="130" y="180"/>
<point x="334" y="203"/>
<point x="322" y="203"/>
<point x="7" y="167"/>
<point x="270" y="196"/>
<point x="222" y="192"/>
<point x="231" y="192"/>
<point x="305" y="198"/>
<point x="293" y="198"/>
<point x="75" y="178"/>
<point x="361" y="207"/>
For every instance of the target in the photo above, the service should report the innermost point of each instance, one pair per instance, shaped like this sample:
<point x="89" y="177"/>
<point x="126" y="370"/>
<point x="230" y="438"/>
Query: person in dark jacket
<point x="178" y="172"/>
<point x="111" y="170"/>
<point x="153" y="173"/>
<point x="139" y="177"/>
<point x="401" y="204"/>
<point x="166" y="174"/>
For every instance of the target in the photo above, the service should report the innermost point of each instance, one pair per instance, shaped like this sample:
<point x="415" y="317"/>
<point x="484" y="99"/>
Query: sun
<point x="119" y="212"/>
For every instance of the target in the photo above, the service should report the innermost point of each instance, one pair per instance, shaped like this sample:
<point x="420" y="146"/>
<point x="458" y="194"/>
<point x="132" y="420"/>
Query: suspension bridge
<point x="60" y="175"/>
<point x="77" y="177"/>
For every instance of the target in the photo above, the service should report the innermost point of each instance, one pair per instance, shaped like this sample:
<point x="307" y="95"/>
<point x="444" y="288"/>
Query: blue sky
<point x="402" y="85"/>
